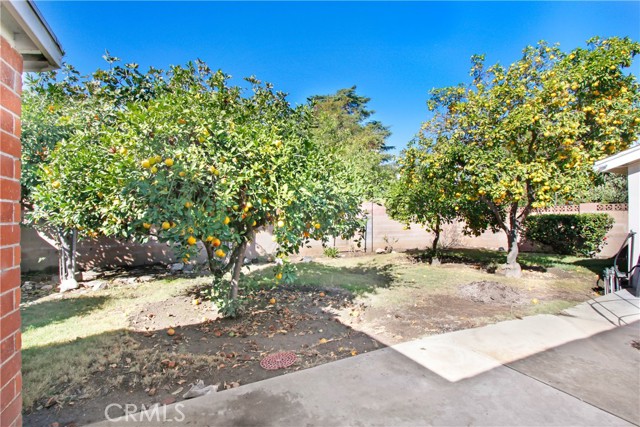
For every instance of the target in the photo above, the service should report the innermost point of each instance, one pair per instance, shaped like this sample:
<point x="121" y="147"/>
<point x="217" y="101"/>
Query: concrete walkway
<point x="577" y="368"/>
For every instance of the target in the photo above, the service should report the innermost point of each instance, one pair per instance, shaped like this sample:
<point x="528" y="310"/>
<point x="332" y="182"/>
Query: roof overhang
<point x="27" y="31"/>
<point x="619" y="163"/>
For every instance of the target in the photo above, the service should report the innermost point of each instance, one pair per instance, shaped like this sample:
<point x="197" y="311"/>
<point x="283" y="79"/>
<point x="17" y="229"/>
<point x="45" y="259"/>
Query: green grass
<point x="64" y="337"/>
<point x="528" y="260"/>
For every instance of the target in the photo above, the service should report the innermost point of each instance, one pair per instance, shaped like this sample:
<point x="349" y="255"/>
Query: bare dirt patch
<point x="488" y="292"/>
<point x="153" y="367"/>
<point x="339" y="309"/>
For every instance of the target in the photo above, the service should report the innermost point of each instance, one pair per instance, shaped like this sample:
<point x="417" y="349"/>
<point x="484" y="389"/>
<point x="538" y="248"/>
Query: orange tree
<point x="69" y="185"/>
<point x="208" y="162"/>
<point x="426" y="192"/>
<point x="517" y="136"/>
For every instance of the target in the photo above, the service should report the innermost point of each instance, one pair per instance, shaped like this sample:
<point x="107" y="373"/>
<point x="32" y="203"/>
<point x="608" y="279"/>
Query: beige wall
<point x="39" y="254"/>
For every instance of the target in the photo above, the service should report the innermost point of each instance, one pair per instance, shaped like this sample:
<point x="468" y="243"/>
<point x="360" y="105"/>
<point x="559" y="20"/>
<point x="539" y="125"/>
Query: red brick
<point x="10" y="55"/>
<point x="17" y="126"/>
<point x="17" y="255"/>
<point x="11" y="366"/>
<point x="6" y="262"/>
<point x="8" y="211"/>
<point x="18" y="343"/>
<point x="8" y="393"/>
<point x="10" y="144"/>
<point x="11" y="413"/>
<point x="8" y="347"/>
<point x="6" y="120"/>
<point x="7" y="75"/>
<point x="9" y="235"/>
<point x="17" y="169"/>
<point x="7" y="303"/>
<point x="9" y="279"/>
<point x="10" y="324"/>
<point x="10" y="100"/>
<point x="9" y="189"/>
<point x="17" y="294"/>
<point x="6" y="166"/>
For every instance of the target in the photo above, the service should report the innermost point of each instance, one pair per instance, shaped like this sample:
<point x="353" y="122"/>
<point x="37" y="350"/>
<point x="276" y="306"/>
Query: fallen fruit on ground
<point x="171" y="332"/>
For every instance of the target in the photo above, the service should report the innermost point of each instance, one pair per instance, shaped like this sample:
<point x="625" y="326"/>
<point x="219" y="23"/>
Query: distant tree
<point x="517" y="136"/>
<point x="342" y="126"/>
<point x="608" y="188"/>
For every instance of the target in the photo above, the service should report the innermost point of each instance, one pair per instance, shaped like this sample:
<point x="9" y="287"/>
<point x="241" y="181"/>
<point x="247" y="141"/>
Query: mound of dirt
<point x="491" y="293"/>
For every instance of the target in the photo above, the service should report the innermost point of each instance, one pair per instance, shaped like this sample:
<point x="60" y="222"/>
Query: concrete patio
<point x="576" y="368"/>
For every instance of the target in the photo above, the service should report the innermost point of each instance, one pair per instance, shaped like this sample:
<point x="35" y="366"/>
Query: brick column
<point x="10" y="376"/>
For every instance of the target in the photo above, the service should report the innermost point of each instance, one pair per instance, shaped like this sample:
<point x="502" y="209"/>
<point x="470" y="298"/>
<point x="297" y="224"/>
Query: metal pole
<point x="372" y="250"/>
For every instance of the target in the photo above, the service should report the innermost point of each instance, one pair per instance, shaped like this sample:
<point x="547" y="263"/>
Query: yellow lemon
<point x="166" y="225"/>
<point x="168" y="162"/>
<point x="191" y="240"/>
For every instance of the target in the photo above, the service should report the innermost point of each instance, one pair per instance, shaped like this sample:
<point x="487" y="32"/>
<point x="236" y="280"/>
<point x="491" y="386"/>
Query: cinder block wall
<point x="38" y="254"/>
<point x="10" y="377"/>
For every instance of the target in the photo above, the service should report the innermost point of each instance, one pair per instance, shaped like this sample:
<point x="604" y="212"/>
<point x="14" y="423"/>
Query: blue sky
<point x="394" y="52"/>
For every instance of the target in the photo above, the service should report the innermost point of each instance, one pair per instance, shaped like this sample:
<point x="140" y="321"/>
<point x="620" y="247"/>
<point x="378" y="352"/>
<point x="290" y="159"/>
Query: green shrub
<point x="569" y="234"/>
<point x="331" y="252"/>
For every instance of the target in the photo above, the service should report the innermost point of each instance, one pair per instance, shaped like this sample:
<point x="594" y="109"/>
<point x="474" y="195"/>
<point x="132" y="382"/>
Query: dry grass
<point x="67" y="340"/>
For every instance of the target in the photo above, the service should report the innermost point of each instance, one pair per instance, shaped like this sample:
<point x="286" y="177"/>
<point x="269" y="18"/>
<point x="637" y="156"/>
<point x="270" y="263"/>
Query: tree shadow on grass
<point x="40" y="314"/>
<point x="356" y="280"/>
<point x="532" y="261"/>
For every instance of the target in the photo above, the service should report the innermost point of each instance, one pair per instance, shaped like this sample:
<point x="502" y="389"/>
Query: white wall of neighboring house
<point x="628" y="163"/>
<point x="633" y="172"/>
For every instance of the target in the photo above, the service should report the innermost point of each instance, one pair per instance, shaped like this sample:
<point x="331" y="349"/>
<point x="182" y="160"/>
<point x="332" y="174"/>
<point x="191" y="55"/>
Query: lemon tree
<point x="518" y="136"/>
<point x="207" y="164"/>
<point x="426" y="192"/>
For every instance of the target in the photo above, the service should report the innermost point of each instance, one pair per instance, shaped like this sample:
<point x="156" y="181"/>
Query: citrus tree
<point x="519" y="135"/>
<point x="207" y="164"/>
<point x="426" y="193"/>
<point x="69" y="185"/>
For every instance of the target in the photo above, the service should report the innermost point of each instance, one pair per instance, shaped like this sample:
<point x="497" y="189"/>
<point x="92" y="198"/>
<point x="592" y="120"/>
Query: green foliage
<point x="341" y="127"/>
<point x="217" y="169"/>
<point x="567" y="234"/>
<point x="219" y="295"/>
<point x="331" y="252"/>
<point x="520" y="136"/>
<point x="69" y="179"/>
<point x="426" y="193"/>
<point x="608" y="188"/>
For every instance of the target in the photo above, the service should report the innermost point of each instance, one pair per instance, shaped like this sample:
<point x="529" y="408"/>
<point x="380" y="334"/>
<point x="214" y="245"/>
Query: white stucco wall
<point x="634" y="218"/>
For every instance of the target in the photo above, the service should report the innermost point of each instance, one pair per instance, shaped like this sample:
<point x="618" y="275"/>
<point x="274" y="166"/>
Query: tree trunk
<point x="66" y="255"/>
<point x="210" y="254"/>
<point x="512" y="241"/>
<point x="436" y="237"/>
<point x="237" y="268"/>
<point x="512" y="268"/>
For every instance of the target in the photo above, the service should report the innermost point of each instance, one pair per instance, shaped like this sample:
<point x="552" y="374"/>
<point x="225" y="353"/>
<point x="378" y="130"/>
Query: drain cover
<point x="278" y="360"/>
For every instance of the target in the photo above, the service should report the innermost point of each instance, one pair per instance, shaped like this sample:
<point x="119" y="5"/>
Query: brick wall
<point x="10" y="377"/>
